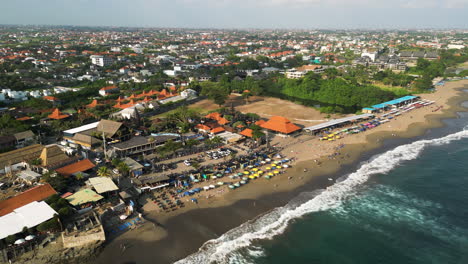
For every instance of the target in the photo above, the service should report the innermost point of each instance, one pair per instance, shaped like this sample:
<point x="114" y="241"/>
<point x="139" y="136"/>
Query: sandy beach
<point x="167" y="237"/>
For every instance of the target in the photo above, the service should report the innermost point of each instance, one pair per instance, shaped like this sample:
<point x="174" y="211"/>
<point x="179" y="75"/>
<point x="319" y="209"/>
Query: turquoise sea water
<point x="416" y="213"/>
<point x="407" y="204"/>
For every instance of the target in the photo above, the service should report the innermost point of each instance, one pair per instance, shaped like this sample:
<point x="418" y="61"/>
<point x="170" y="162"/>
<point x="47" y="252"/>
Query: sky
<point x="275" y="14"/>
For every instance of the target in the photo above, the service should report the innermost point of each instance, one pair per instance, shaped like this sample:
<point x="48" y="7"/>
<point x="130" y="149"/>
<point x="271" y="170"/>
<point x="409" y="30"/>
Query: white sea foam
<point x="224" y="249"/>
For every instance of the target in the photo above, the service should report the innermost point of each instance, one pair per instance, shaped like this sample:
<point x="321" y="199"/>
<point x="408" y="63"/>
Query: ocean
<point x="408" y="204"/>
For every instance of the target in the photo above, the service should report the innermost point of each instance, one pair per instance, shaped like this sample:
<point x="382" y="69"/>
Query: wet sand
<point x="183" y="231"/>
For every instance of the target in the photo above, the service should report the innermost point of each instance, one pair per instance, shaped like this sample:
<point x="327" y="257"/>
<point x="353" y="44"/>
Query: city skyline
<point x="304" y="14"/>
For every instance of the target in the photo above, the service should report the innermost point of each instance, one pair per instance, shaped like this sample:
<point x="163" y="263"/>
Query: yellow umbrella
<point x="260" y="172"/>
<point x="276" y="172"/>
<point x="337" y="137"/>
<point x="255" y="169"/>
<point x="268" y="168"/>
<point x="255" y="175"/>
<point x="246" y="172"/>
<point x="271" y="174"/>
<point x="252" y="177"/>
<point x="331" y="139"/>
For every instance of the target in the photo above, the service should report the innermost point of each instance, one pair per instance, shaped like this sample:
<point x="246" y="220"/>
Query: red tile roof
<point x="108" y="88"/>
<point x="51" y="98"/>
<point x="37" y="193"/>
<point x="247" y="132"/>
<point x="24" y="118"/>
<point x="260" y="122"/>
<point x="202" y="127"/>
<point x="80" y="166"/>
<point x="93" y="104"/>
<point x="56" y="114"/>
<point x="217" y="130"/>
<point x="280" y="124"/>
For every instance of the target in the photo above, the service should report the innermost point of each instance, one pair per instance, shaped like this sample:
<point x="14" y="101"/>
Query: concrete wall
<point x="79" y="240"/>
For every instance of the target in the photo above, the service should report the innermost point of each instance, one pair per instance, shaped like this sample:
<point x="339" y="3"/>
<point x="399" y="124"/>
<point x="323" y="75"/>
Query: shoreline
<point x="184" y="231"/>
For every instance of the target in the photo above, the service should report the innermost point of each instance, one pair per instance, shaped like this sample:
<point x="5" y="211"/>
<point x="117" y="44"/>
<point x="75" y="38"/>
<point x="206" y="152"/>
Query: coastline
<point x="184" y="231"/>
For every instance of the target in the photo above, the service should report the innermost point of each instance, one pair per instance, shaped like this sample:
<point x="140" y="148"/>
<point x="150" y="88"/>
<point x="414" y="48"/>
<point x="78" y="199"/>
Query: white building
<point x="455" y="46"/>
<point x="371" y="55"/>
<point x="29" y="215"/>
<point x="101" y="61"/>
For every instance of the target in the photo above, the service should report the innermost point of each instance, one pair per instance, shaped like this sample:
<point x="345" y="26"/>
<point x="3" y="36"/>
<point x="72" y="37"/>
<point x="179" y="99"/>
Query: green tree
<point x="103" y="171"/>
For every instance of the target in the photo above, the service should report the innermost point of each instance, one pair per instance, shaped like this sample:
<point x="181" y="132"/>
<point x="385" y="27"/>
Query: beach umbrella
<point x="245" y="178"/>
<point x="276" y="162"/>
<point x="194" y="200"/>
<point x="239" y="174"/>
<point x="219" y="175"/>
<point x="19" y="241"/>
<point x="262" y="162"/>
<point x="30" y="237"/>
<point x="267" y="177"/>
<point x="214" y="177"/>
<point x="267" y="160"/>
<point x="220" y="183"/>
<point x="196" y="180"/>
<point x="255" y="169"/>
<point x="232" y="186"/>
<point x="246" y="172"/>
<point x="243" y="182"/>
<point x="186" y="193"/>
<point x="270" y="174"/>
<point x="260" y="172"/>
<point x="212" y="186"/>
<point x="268" y="168"/>
<point x="252" y="177"/>
<point x="276" y="172"/>
<point x="206" y="188"/>
<point x="285" y="166"/>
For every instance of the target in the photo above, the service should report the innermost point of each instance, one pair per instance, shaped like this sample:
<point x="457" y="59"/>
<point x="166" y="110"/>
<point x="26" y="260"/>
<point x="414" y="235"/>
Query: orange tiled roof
<point x="260" y="122"/>
<point x="247" y="132"/>
<point x="50" y="98"/>
<point x="80" y="166"/>
<point x="56" y="114"/>
<point x="93" y="104"/>
<point x="280" y="124"/>
<point x="108" y="88"/>
<point x="120" y="99"/>
<point x="217" y="130"/>
<point x="202" y="127"/>
<point x="24" y="118"/>
<point x="37" y="193"/>
<point x="217" y="116"/>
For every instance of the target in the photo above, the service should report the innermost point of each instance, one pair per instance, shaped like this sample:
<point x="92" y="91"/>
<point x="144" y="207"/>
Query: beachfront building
<point x="338" y="123"/>
<point x="391" y="104"/>
<point x="84" y="198"/>
<point x="141" y="145"/>
<point x="35" y="194"/>
<point x="102" y="185"/>
<point x="29" y="215"/>
<point x="281" y="125"/>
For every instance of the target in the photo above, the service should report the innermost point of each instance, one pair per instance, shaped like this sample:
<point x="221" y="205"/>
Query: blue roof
<point x="394" y="102"/>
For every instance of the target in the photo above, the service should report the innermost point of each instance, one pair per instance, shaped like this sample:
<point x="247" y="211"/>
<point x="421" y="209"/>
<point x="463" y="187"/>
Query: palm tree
<point x="123" y="168"/>
<point x="103" y="171"/>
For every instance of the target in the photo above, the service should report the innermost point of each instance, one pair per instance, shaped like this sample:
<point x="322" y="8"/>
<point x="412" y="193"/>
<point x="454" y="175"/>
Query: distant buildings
<point x="101" y="61"/>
